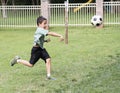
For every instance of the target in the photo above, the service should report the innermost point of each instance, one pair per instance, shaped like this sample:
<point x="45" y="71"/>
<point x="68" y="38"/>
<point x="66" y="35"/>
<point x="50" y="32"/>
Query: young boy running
<point x="38" y="51"/>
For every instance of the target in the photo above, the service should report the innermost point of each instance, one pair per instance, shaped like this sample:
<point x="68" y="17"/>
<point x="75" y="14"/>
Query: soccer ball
<point x="96" y="20"/>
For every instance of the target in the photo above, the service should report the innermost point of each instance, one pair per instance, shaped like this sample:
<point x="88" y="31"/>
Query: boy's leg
<point x="24" y="62"/>
<point x="35" y="55"/>
<point x="48" y="68"/>
<point x="17" y="59"/>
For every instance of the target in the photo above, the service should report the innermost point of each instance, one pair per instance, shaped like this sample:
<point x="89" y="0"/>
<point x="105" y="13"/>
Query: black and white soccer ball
<point x="96" y="20"/>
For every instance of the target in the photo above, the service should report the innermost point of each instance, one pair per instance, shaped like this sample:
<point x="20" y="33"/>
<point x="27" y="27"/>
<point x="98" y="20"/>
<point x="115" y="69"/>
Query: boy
<point x="38" y="51"/>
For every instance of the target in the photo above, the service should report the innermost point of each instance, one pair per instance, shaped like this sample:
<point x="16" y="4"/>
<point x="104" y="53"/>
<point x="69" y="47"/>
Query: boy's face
<point x="43" y="24"/>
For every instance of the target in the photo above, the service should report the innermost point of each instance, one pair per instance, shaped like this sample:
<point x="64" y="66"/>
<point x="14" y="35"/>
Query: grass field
<point x="90" y="63"/>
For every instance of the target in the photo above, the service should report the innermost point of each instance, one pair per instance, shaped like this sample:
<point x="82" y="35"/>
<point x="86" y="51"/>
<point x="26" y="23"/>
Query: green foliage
<point x="90" y="63"/>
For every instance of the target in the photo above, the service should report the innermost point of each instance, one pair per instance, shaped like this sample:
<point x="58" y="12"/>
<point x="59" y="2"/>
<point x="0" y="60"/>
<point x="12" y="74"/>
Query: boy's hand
<point x="48" y="40"/>
<point x="61" y="38"/>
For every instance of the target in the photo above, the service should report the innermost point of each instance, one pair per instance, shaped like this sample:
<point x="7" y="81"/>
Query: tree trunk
<point x="3" y="9"/>
<point x="33" y="3"/>
<point x="37" y="2"/>
<point x="13" y="2"/>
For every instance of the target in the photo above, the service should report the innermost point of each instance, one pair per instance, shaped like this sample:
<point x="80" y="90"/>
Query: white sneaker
<point x="50" y="78"/>
<point x="14" y="60"/>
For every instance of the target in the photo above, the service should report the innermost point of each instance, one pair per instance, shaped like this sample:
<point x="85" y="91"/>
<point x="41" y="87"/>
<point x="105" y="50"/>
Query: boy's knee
<point x="48" y="60"/>
<point x="31" y="65"/>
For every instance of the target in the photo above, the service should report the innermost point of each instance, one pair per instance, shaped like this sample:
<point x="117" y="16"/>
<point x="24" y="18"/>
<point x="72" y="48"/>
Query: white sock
<point x="48" y="75"/>
<point x="18" y="60"/>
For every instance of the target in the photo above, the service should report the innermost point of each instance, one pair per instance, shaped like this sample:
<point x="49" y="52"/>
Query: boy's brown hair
<point x="40" y="19"/>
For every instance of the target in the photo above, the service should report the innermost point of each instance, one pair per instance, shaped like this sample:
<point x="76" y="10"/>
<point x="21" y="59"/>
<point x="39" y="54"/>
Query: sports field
<point x="90" y="63"/>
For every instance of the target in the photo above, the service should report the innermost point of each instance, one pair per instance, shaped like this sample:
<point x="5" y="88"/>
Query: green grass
<point x="90" y="63"/>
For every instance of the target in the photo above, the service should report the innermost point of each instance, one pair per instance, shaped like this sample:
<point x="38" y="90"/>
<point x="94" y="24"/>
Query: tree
<point x="36" y="2"/>
<point x="4" y="2"/>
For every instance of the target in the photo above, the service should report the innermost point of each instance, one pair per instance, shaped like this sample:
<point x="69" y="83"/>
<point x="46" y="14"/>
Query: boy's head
<point x="42" y="22"/>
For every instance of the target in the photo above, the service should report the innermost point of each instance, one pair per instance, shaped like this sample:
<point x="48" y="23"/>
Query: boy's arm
<point x="56" y="35"/>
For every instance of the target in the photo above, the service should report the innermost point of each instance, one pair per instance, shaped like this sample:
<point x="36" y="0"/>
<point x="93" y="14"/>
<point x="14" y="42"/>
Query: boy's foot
<point x="50" y="78"/>
<point x="14" y="60"/>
